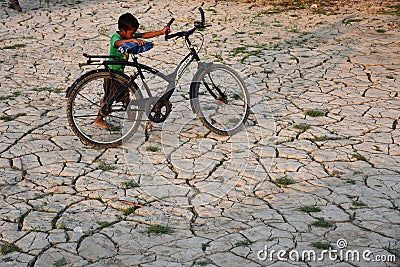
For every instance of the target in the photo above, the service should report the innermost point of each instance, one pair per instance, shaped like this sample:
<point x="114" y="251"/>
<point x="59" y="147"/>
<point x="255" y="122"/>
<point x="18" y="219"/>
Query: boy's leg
<point x="14" y="4"/>
<point x="100" y="119"/>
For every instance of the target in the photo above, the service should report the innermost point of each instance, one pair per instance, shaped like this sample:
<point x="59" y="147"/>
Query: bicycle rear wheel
<point x="84" y="103"/>
<point x="220" y="99"/>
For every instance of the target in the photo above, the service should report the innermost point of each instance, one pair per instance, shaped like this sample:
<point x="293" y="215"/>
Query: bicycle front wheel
<point x="220" y="99"/>
<point x="87" y="96"/>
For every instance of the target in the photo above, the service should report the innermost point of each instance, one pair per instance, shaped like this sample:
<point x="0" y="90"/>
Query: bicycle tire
<point x="223" y="118"/>
<point x="84" y="103"/>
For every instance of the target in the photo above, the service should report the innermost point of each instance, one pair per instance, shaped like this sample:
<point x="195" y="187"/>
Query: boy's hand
<point x="140" y="42"/>
<point x="166" y="30"/>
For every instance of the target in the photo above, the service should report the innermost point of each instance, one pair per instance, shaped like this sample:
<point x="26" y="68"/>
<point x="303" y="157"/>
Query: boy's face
<point x="128" y="34"/>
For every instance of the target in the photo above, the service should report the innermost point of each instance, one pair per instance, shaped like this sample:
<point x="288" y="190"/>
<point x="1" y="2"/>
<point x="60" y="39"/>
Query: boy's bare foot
<point x="14" y="4"/>
<point x="100" y="122"/>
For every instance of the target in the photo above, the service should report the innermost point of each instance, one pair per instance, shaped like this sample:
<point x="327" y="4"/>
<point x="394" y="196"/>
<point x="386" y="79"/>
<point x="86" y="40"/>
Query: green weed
<point x="285" y="180"/>
<point x="243" y="243"/>
<point x="129" y="211"/>
<point x="159" y="229"/>
<point x="324" y="138"/>
<point x="105" y="166"/>
<point x="13" y="117"/>
<point x="61" y="262"/>
<point x="321" y="223"/>
<point x="359" y="157"/>
<point x="8" y="248"/>
<point x="130" y="184"/>
<point x="359" y="204"/>
<point x="321" y="245"/>
<point x="152" y="148"/>
<point x="315" y="113"/>
<point x="302" y="127"/>
<point x="310" y="209"/>
<point x="16" y="46"/>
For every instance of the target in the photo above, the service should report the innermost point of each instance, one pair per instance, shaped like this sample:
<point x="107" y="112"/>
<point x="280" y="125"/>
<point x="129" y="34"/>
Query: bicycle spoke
<point x="96" y="104"/>
<point x="84" y="104"/>
<point x="222" y="100"/>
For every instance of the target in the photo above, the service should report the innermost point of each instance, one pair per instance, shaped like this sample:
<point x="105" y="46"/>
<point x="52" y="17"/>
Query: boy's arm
<point x="147" y="35"/>
<point x="134" y="40"/>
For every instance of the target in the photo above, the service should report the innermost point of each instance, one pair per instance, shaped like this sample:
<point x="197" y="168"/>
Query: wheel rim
<point x="226" y="113"/>
<point x="86" y="104"/>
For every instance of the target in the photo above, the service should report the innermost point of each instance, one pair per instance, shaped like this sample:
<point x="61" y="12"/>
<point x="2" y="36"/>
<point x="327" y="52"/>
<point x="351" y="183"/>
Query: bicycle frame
<point x="171" y="78"/>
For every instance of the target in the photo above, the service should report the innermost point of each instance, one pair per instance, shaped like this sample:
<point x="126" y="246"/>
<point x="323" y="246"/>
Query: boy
<point x="14" y="4"/>
<point x="128" y="26"/>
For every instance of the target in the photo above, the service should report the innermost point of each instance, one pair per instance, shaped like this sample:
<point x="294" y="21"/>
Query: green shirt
<point x="114" y="51"/>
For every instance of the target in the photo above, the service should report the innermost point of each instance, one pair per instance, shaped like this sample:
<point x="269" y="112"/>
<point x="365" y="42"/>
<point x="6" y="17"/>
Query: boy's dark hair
<point x="127" y="22"/>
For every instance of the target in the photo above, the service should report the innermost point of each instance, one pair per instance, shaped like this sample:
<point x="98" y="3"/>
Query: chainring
<point x="158" y="111"/>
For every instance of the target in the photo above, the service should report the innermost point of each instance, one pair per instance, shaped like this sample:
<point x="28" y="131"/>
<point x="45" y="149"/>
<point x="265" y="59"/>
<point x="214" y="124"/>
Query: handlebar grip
<point x="169" y="25"/>
<point x="203" y="19"/>
<point x="170" y="22"/>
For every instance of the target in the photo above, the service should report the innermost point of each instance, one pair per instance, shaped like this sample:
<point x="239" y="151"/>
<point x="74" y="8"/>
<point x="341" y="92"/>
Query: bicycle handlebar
<point x="170" y="22"/>
<point x="203" y="18"/>
<point x="169" y="25"/>
<point x="197" y="25"/>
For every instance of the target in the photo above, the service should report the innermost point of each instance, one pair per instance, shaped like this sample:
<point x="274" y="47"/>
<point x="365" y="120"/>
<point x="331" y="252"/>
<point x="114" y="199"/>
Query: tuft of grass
<point x="10" y="97"/>
<point x="203" y="262"/>
<point x="152" y="148"/>
<point x="358" y="204"/>
<point x="48" y="89"/>
<point x="6" y="118"/>
<point x="380" y="30"/>
<point x="64" y="227"/>
<point x="285" y="180"/>
<point x="204" y="246"/>
<point x="104" y="224"/>
<point x="130" y="184"/>
<point x="315" y="113"/>
<point x="16" y="46"/>
<point x="359" y="157"/>
<point x="321" y="245"/>
<point x="321" y="223"/>
<point x="239" y="50"/>
<point x="234" y="120"/>
<point x="302" y="127"/>
<point x="10" y="118"/>
<point x="310" y="209"/>
<point x="129" y="211"/>
<point x="7" y="248"/>
<point x="324" y="138"/>
<point x="243" y="243"/>
<point x="350" y="181"/>
<point x="349" y="21"/>
<point x="237" y="97"/>
<point x="105" y="166"/>
<point x="61" y="262"/>
<point x="245" y="52"/>
<point x="116" y="128"/>
<point x="159" y="229"/>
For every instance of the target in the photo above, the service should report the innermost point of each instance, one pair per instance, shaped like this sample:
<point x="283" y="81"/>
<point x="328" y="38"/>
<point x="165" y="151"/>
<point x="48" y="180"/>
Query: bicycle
<point x="217" y="93"/>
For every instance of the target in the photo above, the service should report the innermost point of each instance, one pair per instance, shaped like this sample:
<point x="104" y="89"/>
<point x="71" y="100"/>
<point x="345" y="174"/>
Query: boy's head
<point x="127" y="25"/>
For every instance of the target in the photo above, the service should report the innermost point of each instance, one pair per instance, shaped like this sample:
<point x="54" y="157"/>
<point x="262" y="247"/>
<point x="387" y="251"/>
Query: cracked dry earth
<point x="317" y="162"/>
